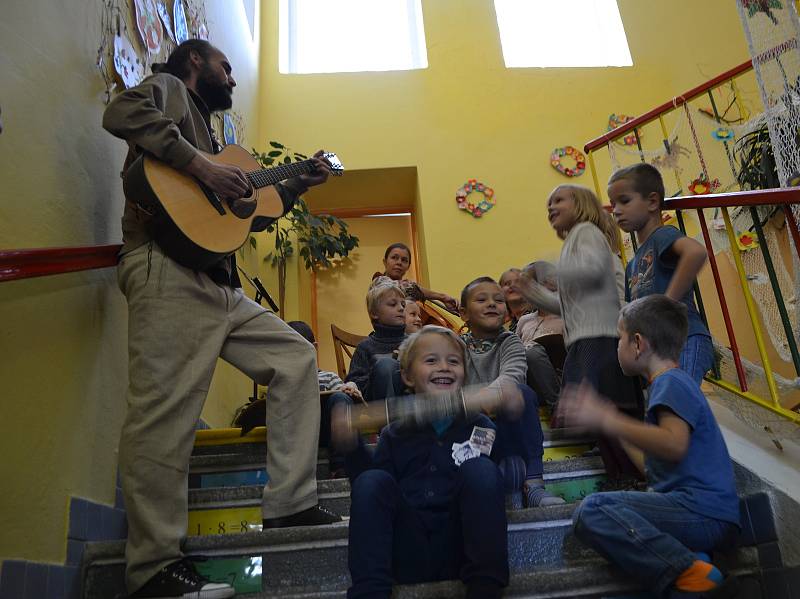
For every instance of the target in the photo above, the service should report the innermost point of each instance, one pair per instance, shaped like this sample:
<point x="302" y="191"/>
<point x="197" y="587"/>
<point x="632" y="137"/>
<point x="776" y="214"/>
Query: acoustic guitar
<point x="191" y="223"/>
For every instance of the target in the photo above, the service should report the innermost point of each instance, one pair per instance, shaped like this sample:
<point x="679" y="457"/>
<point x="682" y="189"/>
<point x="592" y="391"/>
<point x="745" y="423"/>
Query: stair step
<point x="238" y="510"/>
<point x="230" y="440"/>
<point x="545" y="561"/>
<point x="248" y="468"/>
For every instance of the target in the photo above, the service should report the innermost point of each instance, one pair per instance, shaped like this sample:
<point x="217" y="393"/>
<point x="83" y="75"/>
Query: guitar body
<point x="186" y="221"/>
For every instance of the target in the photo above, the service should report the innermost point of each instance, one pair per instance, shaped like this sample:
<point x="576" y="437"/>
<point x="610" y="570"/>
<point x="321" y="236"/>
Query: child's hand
<point x="526" y="285"/>
<point x="581" y="406"/>
<point x="352" y="390"/>
<point x="450" y="303"/>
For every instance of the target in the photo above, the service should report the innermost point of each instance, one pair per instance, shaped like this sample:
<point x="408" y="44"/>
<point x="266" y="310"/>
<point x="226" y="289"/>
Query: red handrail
<point x="756" y="197"/>
<point x="666" y="107"/>
<point x="38" y="262"/>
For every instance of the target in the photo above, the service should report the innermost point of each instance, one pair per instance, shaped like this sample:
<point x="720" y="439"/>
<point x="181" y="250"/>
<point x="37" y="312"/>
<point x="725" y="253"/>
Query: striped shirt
<point x="328" y="381"/>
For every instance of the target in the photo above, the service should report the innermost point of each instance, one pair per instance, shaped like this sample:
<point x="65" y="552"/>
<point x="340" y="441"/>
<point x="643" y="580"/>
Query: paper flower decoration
<point x="746" y="241"/>
<point x="483" y="206"/>
<point x="702" y="186"/>
<point x="614" y="121"/>
<point x="576" y="155"/>
<point x="722" y="134"/>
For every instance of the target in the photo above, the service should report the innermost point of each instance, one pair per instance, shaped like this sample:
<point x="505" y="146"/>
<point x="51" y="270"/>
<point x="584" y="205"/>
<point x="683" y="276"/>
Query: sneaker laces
<point x="185" y="571"/>
<point x="326" y="511"/>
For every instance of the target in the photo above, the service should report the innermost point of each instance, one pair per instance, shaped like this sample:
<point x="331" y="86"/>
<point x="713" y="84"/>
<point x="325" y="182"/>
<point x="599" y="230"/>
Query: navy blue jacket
<point x="381" y="343"/>
<point x="421" y="462"/>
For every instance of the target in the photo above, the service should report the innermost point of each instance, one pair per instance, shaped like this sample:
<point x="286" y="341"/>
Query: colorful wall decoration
<point x="476" y="209"/>
<point x="133" y="37"/>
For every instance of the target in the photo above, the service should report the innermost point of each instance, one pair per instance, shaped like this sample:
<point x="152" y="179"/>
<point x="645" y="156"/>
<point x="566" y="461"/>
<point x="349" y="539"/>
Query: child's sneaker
<point x="181" y="579"/>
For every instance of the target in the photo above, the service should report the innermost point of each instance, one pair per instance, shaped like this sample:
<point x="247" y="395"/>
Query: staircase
<point x="227" y="475"/>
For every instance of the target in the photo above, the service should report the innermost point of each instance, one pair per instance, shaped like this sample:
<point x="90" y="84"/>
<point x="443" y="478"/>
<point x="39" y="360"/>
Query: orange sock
<point x="699" y="577"/>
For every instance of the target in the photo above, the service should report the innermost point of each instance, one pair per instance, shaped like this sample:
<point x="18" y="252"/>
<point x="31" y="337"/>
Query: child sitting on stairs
<point x="657" y="537"/>
<point x="409" y="508"/>
<point x="495" y="357"/>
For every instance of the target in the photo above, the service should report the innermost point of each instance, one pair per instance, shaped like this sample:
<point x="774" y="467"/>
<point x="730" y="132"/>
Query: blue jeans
<point x="391" y="542"/>
<point x="697" y="356"/>
<point x="384" y="380"/>
<point x="522" y="437"/>
<point x="650" y="536"/>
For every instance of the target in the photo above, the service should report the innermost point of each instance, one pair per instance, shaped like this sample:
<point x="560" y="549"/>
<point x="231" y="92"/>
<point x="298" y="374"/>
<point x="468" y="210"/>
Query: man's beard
<point x="217" y="96"/>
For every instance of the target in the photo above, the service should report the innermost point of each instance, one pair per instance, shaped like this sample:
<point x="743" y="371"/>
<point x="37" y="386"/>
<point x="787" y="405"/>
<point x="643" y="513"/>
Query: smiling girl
<point x="590" y="294"/>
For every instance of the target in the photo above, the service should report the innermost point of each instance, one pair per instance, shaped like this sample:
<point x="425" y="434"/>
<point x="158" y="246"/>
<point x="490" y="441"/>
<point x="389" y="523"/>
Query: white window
<point x="564" y="33"/>
<point x="335" y="36"/>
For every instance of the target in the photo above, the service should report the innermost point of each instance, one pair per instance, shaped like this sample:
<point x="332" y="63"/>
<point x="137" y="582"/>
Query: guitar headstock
<point x="337" y="168"/>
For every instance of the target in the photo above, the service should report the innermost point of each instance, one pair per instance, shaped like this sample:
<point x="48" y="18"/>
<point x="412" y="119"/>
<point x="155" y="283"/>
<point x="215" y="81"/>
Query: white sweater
<point x="591" y="286"/>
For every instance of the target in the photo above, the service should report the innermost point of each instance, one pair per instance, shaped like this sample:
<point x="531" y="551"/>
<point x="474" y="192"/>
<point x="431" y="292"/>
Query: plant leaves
<point x="277" y="144"/>
<point x="274" y="153"/>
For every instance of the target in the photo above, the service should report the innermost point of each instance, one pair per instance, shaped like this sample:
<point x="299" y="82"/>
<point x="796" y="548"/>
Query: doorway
<point x="341" y="292"/>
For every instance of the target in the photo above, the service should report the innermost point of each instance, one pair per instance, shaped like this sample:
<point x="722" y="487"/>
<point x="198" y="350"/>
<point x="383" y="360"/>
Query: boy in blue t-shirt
<point x="691" y="506"/>
<point x="666" y="262"/>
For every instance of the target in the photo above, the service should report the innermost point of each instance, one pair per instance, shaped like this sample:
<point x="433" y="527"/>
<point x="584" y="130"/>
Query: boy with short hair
<point x="666" y="262"/>
<point x="496" y="357"/>
<point x="374" y="367"/>
<point x="692" y="507"/>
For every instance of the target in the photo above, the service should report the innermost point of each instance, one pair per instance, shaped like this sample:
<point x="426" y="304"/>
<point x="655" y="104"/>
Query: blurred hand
<point x="580" y="406"/>
<point x="344" y="436"/>
<point x="505" y="399"/>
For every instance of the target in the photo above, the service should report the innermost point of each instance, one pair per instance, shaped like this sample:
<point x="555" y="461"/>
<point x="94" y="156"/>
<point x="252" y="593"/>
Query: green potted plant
<point x="322" y="239"/>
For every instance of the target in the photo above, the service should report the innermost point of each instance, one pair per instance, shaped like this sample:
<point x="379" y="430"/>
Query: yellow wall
<point x="466" y="116"/>
<point x="63" y="338"/>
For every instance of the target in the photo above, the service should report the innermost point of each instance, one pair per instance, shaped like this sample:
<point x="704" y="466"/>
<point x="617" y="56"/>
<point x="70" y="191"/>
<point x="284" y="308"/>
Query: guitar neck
<point x="271" y="176"/>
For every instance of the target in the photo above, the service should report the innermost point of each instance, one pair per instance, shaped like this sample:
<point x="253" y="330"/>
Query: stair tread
<point x="270" y="539"/>
<point x="587" y="580"/>
<point x="207" y="463"/>
<point x="340" y="487"/>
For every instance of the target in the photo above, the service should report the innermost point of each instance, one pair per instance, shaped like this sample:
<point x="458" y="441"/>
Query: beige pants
<point x="179" y="323"/>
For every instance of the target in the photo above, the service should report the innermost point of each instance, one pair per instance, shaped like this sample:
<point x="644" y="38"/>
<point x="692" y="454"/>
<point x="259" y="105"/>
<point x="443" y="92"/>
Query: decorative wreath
<point x="580" y="161"/>
<point x="614" y="121"/>
<point x="475" y="209"/>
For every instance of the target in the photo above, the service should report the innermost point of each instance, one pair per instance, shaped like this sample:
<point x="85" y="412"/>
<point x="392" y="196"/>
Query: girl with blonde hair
<point x="591" y="287"/>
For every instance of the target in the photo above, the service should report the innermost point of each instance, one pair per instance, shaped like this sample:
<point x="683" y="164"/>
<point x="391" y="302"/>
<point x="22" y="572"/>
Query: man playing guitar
<point x="181" y="320"/>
